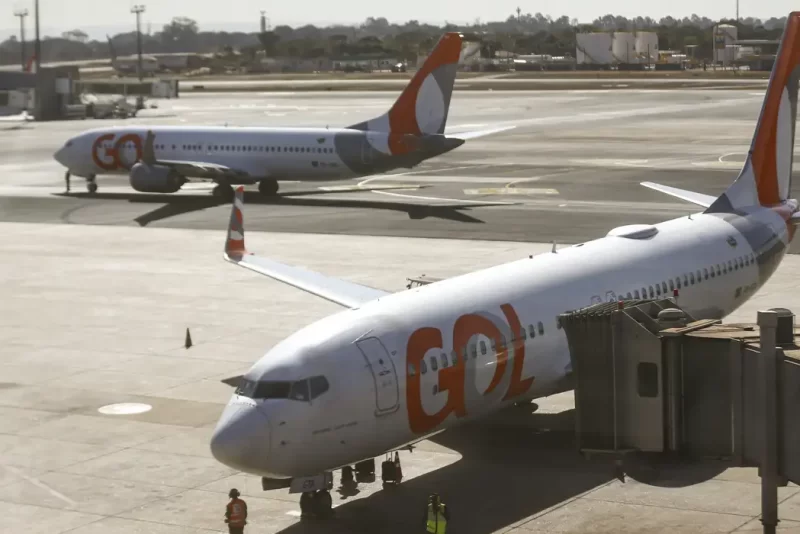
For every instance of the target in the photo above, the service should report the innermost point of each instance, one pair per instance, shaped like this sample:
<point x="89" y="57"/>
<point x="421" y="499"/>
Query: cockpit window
<point x="319" y="385"/>
<point x="300" y="390"/>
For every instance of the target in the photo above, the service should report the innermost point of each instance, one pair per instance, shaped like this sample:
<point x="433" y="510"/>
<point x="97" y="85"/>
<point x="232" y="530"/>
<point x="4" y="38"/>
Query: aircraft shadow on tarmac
<point x="507" y="473"/>
<point x="179" y="205"/>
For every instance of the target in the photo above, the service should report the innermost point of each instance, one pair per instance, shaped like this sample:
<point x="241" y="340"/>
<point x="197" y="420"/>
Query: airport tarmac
<point x="99" y="293"/>
<point x="569" y="172"/>
<point x="93" y="327"/>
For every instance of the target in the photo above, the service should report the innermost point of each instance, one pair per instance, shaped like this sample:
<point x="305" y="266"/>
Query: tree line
<point x="523" y="33"/>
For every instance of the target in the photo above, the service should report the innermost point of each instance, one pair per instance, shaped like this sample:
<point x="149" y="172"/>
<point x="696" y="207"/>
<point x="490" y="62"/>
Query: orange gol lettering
<point x="452" y="378"/>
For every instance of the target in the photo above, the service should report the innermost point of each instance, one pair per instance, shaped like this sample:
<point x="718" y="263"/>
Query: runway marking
<point x="510" y="191"/>
<point x="409" y="173"/>
<point x="125" y="408"/>
<point x="537" y="178"/>
<point x="346" y="188"/>
<point x="39" y="484"/>
<point x="457" y="200"/>
<point x="612" y="161"/>
<point x="454" y="179"/>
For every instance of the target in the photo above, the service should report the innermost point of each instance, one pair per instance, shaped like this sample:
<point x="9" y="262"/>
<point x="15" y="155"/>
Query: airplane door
<point x="387" y="394"/>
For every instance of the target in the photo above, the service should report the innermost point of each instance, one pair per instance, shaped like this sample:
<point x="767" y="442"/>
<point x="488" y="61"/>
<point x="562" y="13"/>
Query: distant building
<point x="367" y="63"/>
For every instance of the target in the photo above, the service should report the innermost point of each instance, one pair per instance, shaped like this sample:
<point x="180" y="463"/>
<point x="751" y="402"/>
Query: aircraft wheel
<point x="268" y="187"/>
<point x="223" y="191"/>
<point x="91" y="187"/>
<point x="306" y="504"/>
<point x="323" y="504"/>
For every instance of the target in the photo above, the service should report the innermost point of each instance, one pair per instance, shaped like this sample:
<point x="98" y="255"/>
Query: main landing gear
<point x="223" y="192"/>
<point x="91" y="184"/>
<point x="268" y="188"/>
<point x="316" y="504"/>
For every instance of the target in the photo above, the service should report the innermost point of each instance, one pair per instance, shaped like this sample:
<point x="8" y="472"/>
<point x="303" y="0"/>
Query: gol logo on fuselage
<point x="107" y="153"/>
<point x="453" y="379"/>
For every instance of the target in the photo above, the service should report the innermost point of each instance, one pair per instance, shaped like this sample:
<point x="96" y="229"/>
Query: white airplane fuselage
<point x="260" y="153"/>
<point x="717" y="260"/>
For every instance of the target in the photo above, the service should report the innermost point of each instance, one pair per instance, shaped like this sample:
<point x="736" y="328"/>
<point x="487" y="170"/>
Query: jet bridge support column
<point x="768" y="323"/>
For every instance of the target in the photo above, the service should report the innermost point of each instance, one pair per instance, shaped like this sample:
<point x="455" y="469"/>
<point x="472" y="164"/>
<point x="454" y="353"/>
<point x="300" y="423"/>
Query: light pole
<point x="21" y="13"/>
<point x="138" y="9"/>
<point x="37" y="45"/>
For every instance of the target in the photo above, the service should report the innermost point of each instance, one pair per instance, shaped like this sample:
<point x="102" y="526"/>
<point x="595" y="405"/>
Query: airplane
<point x="412" y="131"/>
<point x="392" y="369"/>
<point x="130" y="64"/>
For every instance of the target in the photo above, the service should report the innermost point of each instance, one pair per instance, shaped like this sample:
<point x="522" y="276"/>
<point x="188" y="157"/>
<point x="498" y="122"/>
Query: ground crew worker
<point x="436" y="515"/>
<point x="236" y="513"/>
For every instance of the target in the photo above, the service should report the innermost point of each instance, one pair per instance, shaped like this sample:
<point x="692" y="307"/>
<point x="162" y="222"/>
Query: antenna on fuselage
<point x="554" y="251"/>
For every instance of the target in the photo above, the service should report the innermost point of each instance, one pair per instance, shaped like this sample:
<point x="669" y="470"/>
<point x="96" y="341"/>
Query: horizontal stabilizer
<point x="690" y="196"/>
<point x="480" y="133"/>
<point x="342" y="292"/>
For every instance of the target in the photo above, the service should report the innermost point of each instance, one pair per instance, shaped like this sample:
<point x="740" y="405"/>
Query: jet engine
<point x="154" y="179"/>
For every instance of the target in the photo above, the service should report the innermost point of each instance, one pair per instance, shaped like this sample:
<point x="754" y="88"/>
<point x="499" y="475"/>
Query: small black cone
<point x="188" y="342"/>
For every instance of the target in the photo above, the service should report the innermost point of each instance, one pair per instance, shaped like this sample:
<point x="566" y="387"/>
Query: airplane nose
<point x="241" y="439"/>
<point x="61" y="156"/>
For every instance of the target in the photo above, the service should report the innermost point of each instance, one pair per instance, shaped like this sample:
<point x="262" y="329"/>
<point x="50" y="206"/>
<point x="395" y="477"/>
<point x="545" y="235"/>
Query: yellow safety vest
<point x="437" y="524"/>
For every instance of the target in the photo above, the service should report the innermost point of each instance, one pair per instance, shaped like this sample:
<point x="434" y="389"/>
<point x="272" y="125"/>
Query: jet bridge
<point x="650" y="378"/>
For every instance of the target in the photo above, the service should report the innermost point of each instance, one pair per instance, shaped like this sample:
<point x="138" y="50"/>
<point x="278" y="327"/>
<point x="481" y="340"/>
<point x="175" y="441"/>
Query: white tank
<point x="725" y="35"/>
<point x="647" y="46"/>
<point x="623" y="47"/>
<point x="593" y="48"/>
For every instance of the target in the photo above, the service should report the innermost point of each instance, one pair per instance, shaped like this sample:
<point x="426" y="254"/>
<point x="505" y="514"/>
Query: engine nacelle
<point x="154" y="179"/>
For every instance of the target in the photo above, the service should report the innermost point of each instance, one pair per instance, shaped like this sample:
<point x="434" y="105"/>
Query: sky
<point x="99" y="17"/>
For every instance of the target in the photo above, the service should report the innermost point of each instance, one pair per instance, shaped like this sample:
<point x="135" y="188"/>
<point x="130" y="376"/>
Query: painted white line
<point x="39" y="484"/>
<point x="536" y="178"/>
<point x="456" y="200"/>
<point x="510" y="191"/>
<point x="346" y="188"/>
<point x="409" y="173"/>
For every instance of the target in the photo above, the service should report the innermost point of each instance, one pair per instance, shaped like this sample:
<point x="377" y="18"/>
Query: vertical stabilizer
<point x="423" y="106"/>
<point x="766" y="176"/>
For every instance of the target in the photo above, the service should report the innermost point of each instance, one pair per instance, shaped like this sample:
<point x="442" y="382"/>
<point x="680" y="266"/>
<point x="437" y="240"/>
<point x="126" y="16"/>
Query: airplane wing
<point x="342" y="292"/>
<point x="690" y="196"/>
<point x="474" y="134"/>
<point x="197" y="169"/>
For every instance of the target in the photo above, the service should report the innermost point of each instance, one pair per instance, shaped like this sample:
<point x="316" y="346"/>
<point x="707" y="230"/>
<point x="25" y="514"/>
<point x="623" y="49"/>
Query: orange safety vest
<point x="237" y="510"/>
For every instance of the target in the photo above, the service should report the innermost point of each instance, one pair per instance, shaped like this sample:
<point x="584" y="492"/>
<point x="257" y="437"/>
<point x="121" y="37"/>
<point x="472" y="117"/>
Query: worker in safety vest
<point x="436" y="515"/>
<point x="236" y="513"/>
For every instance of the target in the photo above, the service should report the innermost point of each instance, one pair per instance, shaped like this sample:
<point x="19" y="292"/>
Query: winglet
<point x="234" y="244"/>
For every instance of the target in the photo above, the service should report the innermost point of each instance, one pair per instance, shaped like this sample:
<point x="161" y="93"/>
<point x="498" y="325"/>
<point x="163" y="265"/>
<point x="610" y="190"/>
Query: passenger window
<point x="664" y="287"/>
<point x="541" y="328"/>
<point x="483" y="347"/>
<point x="636" y="294"/>
<point x="644" y="293"/>
<point x="434" y="364"/>
<point x="444" y="360"/>
<point x="522" y="333"/>
<point x="652" y="293"/>
<point x="705" y="274"/>
<point x="671" y="284"/>
<point x="733" y="266"/>
<point x="319" y="384"/>
<point x="473" y="349"/>
<point x="658" y="290"/>
<point x="299" y="391"/>
<point x="628" y="296"/>
<point x="691" y="278"/>
<point x="685" y="280"/>
<point x="501" y="345"/>
<point x="423" y="367"/>
<point x="531" y="331"/>
<point x="698" y="276"/>
<point x="454" y="355"/>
